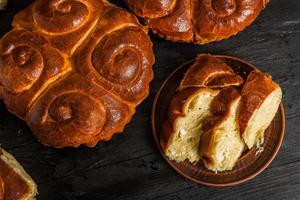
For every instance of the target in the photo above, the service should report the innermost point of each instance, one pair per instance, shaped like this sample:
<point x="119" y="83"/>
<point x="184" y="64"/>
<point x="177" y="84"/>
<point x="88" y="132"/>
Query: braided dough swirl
<point x="198" y="21"/>
<point x="75" y="70"/>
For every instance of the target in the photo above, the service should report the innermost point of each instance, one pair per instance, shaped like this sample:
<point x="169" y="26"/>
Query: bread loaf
<point x="198" y="21"/>
<point x="75" y="70"/>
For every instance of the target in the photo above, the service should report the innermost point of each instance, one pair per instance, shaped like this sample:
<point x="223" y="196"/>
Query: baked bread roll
<point x="261" y="98"/>
<point x="15" y="183"/>
<point x="221" y="144"/>
<point x="82" y="67"/>
<point x="182" y="131"/>
<point x="209" y="71"/>
<point x="198" y="21"/>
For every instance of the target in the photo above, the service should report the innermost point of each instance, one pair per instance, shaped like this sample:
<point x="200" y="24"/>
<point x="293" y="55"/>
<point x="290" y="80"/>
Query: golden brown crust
<point x="15" y="187"/>
<point x="219" y="19"/>
<point x="256" y="89"/>
<point x="178" y="103"/>
<point x="177" y="26"/>
<point x="63" y="23"/>
<point x="75" y="112"/>
<point x="210" y="71"/>
<point x="226" y="80"/>
<point x="219" y="109"/>
<point x="151" y="8"/>
<point x="198" y="21"/>
<point x="82" y="67"/>
<point x="118" y="56"/>
<point x="29" y="57"/>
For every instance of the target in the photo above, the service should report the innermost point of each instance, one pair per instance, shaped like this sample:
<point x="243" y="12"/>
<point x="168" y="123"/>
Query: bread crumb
<point x="259" y="150"/>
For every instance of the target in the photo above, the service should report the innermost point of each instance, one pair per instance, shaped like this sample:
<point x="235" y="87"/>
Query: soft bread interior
<point x="261" y="119"/>
<point x="14" y="164"/>
<point x="184" y="142"/>
<point x="226" y="146"/>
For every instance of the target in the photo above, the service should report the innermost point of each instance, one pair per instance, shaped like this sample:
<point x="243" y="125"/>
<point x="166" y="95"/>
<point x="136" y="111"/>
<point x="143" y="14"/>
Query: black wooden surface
<point x="130" y="166"/>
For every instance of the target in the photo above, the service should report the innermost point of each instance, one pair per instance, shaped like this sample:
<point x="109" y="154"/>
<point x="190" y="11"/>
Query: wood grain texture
<point x="130" y="166"/>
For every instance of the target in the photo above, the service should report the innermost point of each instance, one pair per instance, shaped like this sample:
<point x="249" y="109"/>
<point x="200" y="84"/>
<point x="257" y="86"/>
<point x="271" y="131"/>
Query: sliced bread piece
<point x="181" y="133"/>
<point x="221" y="144"/>
<point x="209" y="71"/>
<point x="16" y="183"/>
<point x="261" y="98"/>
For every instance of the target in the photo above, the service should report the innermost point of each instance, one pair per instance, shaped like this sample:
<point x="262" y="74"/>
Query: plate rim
<point x="154" y="134"/>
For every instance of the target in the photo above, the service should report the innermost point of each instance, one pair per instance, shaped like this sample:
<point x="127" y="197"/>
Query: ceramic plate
<point x="249" y="165"/>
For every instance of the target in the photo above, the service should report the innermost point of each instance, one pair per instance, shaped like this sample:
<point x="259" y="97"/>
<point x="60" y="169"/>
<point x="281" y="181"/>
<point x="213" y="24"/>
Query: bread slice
<point x="209" y="71"/>
<point x="221" y="144"/>
<point x="15" y="174"/>
<point x="181" y="134"/>
<point x="261" y="98"/>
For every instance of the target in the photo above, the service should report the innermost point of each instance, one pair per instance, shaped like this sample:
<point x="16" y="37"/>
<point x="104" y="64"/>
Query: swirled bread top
<point x="75" y="70"/>
<point x="198" y="21"/>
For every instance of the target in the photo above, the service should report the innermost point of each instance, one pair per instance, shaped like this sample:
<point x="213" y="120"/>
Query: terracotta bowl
<point x="249" y="165"/>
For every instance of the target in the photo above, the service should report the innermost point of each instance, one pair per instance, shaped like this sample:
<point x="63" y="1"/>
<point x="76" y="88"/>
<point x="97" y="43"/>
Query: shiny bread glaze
<point x="82" y="68"/>
<point x="198" y="21"/>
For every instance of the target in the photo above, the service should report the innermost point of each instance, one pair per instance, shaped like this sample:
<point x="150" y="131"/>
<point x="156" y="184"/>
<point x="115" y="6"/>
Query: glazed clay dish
<point x="236" y="93"/>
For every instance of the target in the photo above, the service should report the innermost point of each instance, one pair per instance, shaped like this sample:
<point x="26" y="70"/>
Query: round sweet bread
<point x="75" y="70"/>
<point x="198" y="21"/>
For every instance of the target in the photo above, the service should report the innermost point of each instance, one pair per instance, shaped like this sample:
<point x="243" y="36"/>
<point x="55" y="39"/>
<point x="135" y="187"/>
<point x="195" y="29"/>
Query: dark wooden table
<point x="130" y="166"/>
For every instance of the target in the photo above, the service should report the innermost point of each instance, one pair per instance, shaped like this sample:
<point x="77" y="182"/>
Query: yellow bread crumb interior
<point x="261" y="119"/>
<point x="184" y="142"/>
